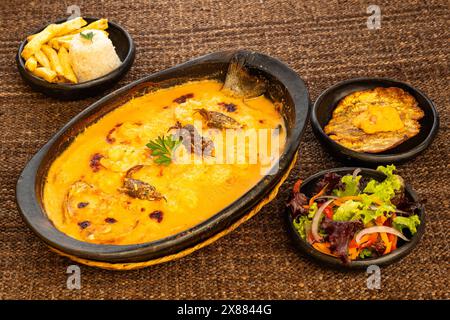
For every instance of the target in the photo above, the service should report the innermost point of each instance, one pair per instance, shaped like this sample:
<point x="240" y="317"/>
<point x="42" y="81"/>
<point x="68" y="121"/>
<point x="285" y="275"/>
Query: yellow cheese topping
<point x="82" y="194"/>
<point x="378" y="119"/>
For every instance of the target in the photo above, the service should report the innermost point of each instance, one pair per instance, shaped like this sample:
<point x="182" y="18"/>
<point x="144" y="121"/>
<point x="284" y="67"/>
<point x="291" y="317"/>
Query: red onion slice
<point x="378" y="229"/>
<point x="327" y="197"/>
<point x="316" y="220"/>
<point x="356" y="172"/>
<point x="396" y="210"/>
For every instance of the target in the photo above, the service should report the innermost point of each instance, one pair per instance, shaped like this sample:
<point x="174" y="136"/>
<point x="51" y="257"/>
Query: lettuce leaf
<point x="312" y="210"/>
<point x="411" y="223"/>
<point x="386" y="189"/>
<point x="362" y="210"/>
<point x="347" y="211"/>
<point x="367" y="215"/>
<point x="365" y="253"/>
<point x="350" y="186"/>
<point x="370" y="212"/>
<point x="301" y="224"/>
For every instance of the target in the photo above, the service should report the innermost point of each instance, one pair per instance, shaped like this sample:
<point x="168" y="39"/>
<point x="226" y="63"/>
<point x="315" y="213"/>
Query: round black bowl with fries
<point x="65" y="90"/>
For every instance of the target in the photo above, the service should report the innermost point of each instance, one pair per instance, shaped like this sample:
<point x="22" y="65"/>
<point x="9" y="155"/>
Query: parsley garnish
<point x="163" y="148"/>
<point x="87" y="36"/>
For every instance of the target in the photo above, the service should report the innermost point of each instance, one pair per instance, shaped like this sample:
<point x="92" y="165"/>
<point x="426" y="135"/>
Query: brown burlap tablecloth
<point x="325" y="42"/>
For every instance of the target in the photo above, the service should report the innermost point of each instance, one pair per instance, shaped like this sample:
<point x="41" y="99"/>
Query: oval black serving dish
<point x="329" y="99"/>
<point x="125" y="48"/>
<point x="307" y="187"/>
<point x="284" y="86"/>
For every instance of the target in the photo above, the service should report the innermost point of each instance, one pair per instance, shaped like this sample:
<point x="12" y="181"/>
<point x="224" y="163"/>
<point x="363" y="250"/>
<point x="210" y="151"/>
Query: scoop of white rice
<point x="91" y="59"/>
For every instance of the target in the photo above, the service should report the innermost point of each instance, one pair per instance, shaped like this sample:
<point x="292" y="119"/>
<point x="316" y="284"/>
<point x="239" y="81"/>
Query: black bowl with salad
<point x="355" y="217"/>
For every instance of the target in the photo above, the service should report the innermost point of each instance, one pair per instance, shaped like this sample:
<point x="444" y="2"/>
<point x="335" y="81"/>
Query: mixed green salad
<point x="352" y="217"/>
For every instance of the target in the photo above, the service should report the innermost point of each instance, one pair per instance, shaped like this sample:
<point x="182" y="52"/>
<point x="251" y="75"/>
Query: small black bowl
<point x="125" y="49"/>
<point x="403" y="249"/>
<point x="329" y="99"/>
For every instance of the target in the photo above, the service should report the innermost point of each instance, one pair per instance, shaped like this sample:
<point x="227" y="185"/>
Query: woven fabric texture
<point x="325" y="42"/>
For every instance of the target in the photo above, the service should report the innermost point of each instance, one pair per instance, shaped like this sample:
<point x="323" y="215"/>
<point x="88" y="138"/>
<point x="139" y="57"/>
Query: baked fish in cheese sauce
<point x="115" y="183"/>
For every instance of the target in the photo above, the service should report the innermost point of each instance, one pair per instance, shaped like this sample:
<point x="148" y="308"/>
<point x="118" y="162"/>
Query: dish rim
<point x="31" y="209"/>
<point x="365" y="157"/>
<point x="67" y="87"/>
<point x="334" y="262"/>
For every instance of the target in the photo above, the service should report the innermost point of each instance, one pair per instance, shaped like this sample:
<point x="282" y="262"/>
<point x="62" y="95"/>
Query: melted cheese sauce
<point x="378" y="119"/>
<point x="82" y="195"/>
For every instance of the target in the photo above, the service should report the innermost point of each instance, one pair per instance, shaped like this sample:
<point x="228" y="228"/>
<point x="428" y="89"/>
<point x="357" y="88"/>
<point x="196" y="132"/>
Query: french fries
<point x="58" y="42"/>
<point x="64" y="41"/>
<point x="52" y="55"/>
<point x="35" y="44"/>
<point x="42" y="59"/>
<point x="46" y="54"/>
<point x="62" y="28"/>
<point x="101" y="24"/>
<point x="49" y="32"/>
<point x="45" y="73"/>
<point x="63" y="56"/>
<point x="31" y="64"/>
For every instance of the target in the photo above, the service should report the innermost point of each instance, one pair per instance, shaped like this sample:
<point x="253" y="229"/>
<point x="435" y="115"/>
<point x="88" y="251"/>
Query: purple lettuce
<point x="339" y="234"/>
<point x="331" y="180"/>
<point x="296" y="205"/>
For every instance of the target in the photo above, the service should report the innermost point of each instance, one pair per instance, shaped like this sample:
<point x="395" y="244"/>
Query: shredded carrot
<point x="321" y="192"/>
<point x="377" y="201"/>
<point x="353" y="244"/>
<point x="380" y="220"/>
<point x="394" y="244"/>
<point x="393" y="240"/>
<point x="365" y="239"/>
<point x="353" y="253"/>
<point x="386" y="241"/>
<point x="323" y="247"/>
<point x="388" y="248"/>
<point x="297" y="185"/>
<point x="324" y="244"/>
<point x="384" y="237"/>
<point x="371" y="239"/>
<point x="341" y="200"/>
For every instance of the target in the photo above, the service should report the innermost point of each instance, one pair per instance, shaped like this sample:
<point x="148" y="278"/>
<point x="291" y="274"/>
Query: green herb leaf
<point x="87" y="35"/>
<point x="163" y="148"/>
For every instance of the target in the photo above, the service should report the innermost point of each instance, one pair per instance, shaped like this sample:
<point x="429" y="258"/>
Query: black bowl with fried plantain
<point x="374" y="121"/>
